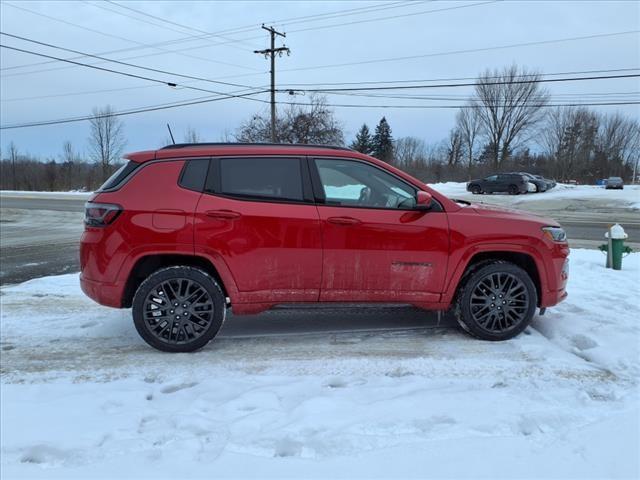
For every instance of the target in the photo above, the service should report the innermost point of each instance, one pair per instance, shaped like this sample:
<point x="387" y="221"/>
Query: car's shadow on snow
<point x="342" y="319"/>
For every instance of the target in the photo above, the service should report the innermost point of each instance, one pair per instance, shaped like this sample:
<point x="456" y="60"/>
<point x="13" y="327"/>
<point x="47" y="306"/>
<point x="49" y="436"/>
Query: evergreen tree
<point x="383" y="142"/>
<point x="363" y="142"/>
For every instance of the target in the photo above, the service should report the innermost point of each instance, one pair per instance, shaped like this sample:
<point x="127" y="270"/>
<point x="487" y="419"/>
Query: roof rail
<point x="240" y="144"/>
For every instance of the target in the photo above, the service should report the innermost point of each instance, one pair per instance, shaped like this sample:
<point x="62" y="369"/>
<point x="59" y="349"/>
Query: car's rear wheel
<point x="496" y="302"/>
<point x="513" y="190"/>
<point x="475" y="189"/>
<point x="178" y="309"/>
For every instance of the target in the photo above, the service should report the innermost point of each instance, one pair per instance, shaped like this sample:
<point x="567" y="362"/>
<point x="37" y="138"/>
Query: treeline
<point x="20" y="171"/>
<point x="572" y="144"/>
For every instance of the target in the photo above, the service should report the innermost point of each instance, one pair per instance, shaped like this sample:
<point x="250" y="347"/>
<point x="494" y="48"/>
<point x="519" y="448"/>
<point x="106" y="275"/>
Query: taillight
<point x="100" y="214"/>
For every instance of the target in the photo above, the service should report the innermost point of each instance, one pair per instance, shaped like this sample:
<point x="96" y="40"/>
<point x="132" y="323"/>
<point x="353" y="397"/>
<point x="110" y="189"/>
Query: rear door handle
<point x="226" y="214"/>
<point x="343" y="220"/>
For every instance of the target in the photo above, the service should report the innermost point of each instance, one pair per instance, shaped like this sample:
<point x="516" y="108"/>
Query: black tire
<point x="513" y="190"/>
<point x="478" y="306"/>
<point x="180" y="295"/>
<point x="475" y="189"/>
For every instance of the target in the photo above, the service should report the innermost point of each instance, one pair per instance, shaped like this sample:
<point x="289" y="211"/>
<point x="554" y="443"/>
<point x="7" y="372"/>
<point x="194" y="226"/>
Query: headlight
<point x="555" y="234"/>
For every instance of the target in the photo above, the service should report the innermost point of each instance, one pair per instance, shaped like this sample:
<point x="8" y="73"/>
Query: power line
<point x="457" y="52"/>
<point x="453" y="85"/>
<point x="140" y="44"/>
<point x="334" y="105"/>
<point x="196" y="101"/>
<point x="413" y="14"/>
<point x="84" y="54"/>
<point x="418" y="107"/>
<point x="91" y="92"/>
<point x="580" y="72"/>
<point x="132" y="75"/>
<point x="169" y="22"/>
<point x="368" y="10"/>
<point x="379" y="82"/>
<point x="200" y="37"/>
<point x="624" y="96"/>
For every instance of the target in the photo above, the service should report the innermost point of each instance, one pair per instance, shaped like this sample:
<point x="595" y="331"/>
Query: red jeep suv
<point x="183" y="233"/>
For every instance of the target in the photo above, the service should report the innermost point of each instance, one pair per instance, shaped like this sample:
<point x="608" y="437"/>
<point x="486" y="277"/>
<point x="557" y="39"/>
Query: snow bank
<point x="29" y="193"/>
<point x="83" y="396"/>
<point x="630" y="196"/>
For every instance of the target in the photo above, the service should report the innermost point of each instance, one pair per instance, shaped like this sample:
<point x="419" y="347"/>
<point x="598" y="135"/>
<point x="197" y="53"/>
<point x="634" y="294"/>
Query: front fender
<point x="463" y="259"/>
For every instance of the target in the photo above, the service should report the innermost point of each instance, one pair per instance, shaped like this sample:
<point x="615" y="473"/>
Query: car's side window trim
<point x="213" y="183"/>
<point x="319" y="193"/>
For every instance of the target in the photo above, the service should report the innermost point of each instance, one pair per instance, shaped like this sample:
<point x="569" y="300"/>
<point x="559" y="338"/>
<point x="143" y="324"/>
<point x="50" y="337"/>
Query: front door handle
<point x="343" y="220"/>
<point x="225" y="214"/>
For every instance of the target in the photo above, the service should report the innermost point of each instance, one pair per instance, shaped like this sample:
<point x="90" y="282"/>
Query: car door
<point x="491" y="183"/>
<point x="502" y="185"/>
<point x="258" y="215"/>
<point x="376" y="247"/>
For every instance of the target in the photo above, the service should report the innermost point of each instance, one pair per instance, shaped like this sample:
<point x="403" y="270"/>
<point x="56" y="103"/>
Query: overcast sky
<point x="33" y="91"/>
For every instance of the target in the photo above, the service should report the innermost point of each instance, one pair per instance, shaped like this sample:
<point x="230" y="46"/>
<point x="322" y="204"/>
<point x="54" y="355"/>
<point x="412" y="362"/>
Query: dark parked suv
<point x="183" y="233"/>
<point x="614" y="183"/>
<point x="511" y="183"/>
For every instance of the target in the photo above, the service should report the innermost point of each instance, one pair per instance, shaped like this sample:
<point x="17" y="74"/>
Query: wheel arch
<point x="525" y="259"/>
<point x="147" y="264"/>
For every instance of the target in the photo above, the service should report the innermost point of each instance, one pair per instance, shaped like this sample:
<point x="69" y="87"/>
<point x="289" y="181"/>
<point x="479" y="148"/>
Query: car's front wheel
<point x="496" y="302"/>
<point x="475" y="189"/>
<point x="178" y="309"/>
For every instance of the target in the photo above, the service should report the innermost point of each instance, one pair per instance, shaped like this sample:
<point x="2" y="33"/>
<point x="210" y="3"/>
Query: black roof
<point x="239" y="144"/>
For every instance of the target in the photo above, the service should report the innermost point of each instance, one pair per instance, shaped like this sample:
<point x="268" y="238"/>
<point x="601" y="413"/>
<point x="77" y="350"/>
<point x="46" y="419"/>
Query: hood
<point x="512" y="213"/>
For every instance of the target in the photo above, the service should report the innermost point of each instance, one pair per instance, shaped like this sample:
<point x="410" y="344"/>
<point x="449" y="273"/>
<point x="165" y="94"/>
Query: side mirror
<point x="423" y="200"/>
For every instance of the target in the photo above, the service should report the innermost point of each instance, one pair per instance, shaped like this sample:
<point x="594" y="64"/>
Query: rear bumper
<point x="107" y="294"/>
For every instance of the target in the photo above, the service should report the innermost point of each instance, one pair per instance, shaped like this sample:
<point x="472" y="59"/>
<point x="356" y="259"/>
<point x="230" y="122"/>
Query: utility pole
<point x="271" y="53"/>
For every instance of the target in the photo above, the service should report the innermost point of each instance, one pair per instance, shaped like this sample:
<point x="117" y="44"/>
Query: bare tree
<point x="68" y="155"/>
<point x="618" y="141"/>
<point x="13" y="158"/>
<point x="470" y="127"/>
<point x="570" y="136"/>
<point x="106" y="138"/>
<point x="410" y="150"/>
<point x="310" y="123"/>
<point x="454" y="147"/>
<point x="509" y="103"/>
<point x="192" y="136"/>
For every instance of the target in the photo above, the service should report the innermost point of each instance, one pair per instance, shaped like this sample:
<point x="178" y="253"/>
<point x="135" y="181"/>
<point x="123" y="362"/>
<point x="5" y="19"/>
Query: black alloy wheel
<point x="178" y="309"/>
<point x="497" y="301"/>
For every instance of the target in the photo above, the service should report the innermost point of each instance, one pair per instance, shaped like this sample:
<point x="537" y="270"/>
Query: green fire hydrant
<point x="615" y="247"/>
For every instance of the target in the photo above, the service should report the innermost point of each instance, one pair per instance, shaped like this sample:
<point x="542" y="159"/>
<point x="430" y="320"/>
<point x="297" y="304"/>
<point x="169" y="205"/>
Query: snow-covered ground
<point x="74" y="194"/>
<point x="629" y="196"/>
<point x="82" y="396"/>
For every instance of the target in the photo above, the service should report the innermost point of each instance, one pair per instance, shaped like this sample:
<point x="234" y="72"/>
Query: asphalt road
<point x="39" y="236"/>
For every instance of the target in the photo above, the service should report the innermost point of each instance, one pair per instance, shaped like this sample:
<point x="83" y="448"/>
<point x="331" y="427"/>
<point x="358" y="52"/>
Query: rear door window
<point x="264" y="178"/>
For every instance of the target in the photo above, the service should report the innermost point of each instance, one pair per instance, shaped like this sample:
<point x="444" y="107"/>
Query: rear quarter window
<point x="194" y="174"/>
<point x="115" y="180"/>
